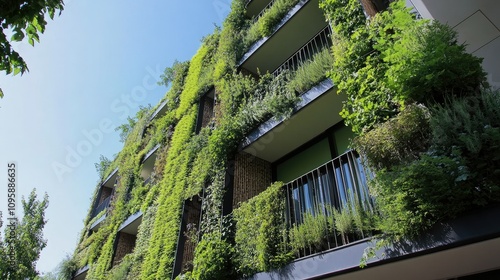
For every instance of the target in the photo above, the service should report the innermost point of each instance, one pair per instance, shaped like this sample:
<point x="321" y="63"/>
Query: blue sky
<point x="95" y="64"/>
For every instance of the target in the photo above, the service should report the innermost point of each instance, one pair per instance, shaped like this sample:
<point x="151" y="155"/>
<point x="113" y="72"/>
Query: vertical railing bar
<point x="332" y="187"/>
<point x="325" y="213"/>
<point x="356" y="186"/>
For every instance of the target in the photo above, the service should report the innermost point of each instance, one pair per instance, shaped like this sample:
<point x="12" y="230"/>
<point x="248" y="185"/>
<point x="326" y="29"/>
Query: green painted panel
<point x="343" y="136"/>
<point x="304" y="161"/>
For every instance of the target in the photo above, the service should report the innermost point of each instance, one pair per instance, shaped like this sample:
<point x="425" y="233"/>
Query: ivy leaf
<point x="1" y="93"/>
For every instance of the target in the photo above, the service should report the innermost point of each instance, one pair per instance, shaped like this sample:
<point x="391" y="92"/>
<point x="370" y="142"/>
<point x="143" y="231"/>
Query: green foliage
<point x="345" y="16"/>
<point x="197" y="81"/>
<point x="213" y="259"/>
<point x="126" y="128"/>
<point x="469" y="129"/>
<point x="311" y="232"/>
<point x="231" y="46"/>
<point x="428" y="65"/>
<point x="121" y="271"/>
<point x="266" y="24"/>
<point x="344" y="222"/>
<point x="23" y="242"/>
<point x="102" y="166"/>
<point x="25" y="19"/>
<point x="458" y="170"/>
<point x="311" y="72"/>
<point x="414" y="197"/>
<point x="261" y="232"/>
<point x="187" y="163"/>
<point x="176" y="72"/>
<point x="67" y="268"/>
<point x="399" y="140"/>
<point x="394" y="60"/>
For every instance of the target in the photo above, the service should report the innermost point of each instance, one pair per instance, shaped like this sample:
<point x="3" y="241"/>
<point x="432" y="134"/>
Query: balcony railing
<point x="315" y="45"/>
<point x="338" y="184"/>
<point x="266" y="8"/>
<point x="102" y="206"/>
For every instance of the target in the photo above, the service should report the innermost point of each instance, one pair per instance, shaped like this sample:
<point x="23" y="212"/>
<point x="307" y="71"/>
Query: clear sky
<point x="95" y="64"/>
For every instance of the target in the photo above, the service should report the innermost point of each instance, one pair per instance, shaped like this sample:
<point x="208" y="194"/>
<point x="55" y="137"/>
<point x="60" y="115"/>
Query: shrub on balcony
<point x="458" y="172"/>
<point x="394" y="60"/>
<point x="469" y="128"/>
<point x="311" y="233"/>
<point x="265" y="25"/>
<point x="311" y="72"/>
<point x="399" y="140"/>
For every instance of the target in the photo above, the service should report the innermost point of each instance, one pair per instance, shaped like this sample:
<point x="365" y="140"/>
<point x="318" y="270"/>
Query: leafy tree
<point x="23" y="243"/>
<point x="126" y="128"/>
<point x="102" y="165"/>
<point x="24" y="19"/>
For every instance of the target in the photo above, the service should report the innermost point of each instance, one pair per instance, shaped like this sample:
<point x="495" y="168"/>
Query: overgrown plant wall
<point x="403" y="77"/>
<point x="368" y="61"/>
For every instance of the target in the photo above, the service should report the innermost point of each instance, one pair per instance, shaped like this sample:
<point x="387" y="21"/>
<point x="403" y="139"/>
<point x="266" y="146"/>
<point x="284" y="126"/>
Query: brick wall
<point x="126" y="243"/>
<point x="192" y="214"/>
<point x="252" y="175"/>
<point x="105" y="193"/>
<point x="208" y="111"/>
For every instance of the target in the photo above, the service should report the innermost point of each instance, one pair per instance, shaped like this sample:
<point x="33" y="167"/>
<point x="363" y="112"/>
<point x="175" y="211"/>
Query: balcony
<point x="148" y="164"/>
<point x="467" y="245"/>
<point x="296" y="29"/>
<point x="306" y="53"/>
<point x="339" y="184"/>
<point x="102" y="206"/>
<point x="317" y="111"/>
<point x="159" y="112"/>
<point x="262" y="11"/>
<point x="81" y="273"/>
<point x="255" y="8"/>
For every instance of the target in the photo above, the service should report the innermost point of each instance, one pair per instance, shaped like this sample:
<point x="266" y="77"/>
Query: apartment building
<point x="310" y="152"/>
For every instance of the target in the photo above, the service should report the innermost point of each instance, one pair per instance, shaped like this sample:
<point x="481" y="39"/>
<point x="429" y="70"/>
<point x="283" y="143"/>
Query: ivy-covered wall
<point x="391" y="67"/>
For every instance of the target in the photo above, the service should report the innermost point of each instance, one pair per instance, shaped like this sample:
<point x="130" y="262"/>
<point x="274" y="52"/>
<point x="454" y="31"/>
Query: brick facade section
<point x="252" y="175"/>
<point x="105" y="193"/>
<point x="192" y="212"/>
<point x="126" y="244"/>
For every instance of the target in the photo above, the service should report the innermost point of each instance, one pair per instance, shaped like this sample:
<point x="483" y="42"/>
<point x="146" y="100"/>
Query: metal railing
<point x="320" y="41"/>
<point x="266" y="8"/>
<point x="340" y="183"/>
<point x="102" y="206"/>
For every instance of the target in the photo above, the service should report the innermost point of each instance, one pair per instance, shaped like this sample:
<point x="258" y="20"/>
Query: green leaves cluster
<point x="266" y="24"/>
<point x="261" y="232"/>
<point x="187" y="163"/>
<point x="399" y="140"/>
<point x="213" y="259"/>
<point x="433" y="165"/>
<point x="25" y="19"/>
<point x="393" y="60"/>
<point x="22" y="244"/>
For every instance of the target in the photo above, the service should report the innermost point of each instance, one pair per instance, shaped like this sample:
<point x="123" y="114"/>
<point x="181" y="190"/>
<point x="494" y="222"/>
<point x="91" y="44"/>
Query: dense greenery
<point x="23" y="240"/>
<point x="416" y="112"/>
<point x="266" y="24"/>
<point x="403" y="79"/>
<point x="393" y="60"/>
<point x="261" y="232"/>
